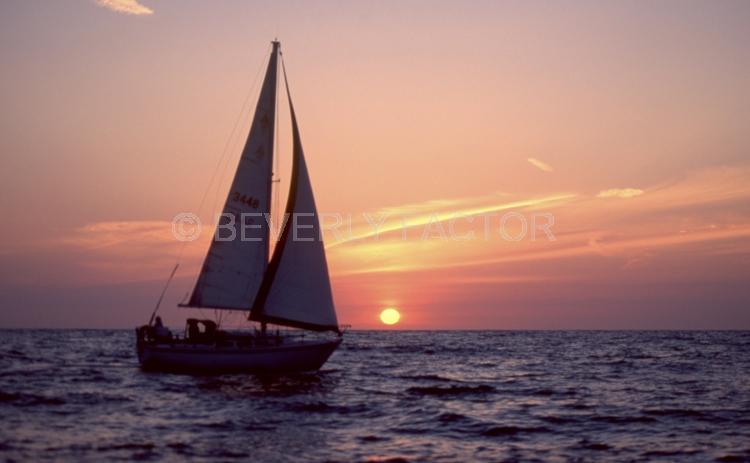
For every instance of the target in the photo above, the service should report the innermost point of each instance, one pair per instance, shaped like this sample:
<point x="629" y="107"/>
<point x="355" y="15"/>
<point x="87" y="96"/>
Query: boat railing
<point x="227" y="339"/>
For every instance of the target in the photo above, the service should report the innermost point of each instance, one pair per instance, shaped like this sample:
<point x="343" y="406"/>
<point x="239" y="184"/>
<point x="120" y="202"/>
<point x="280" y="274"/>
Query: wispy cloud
<point x="697" y="212"/>
<point x="620" y="193"/>
<point x="612" y="248"/>
<point x="541" y="165"/>
<point x="399" y="219"/>
<point x="126" y="6"/>
<point x="124" y="250"/>
<point x="106" y="234"/>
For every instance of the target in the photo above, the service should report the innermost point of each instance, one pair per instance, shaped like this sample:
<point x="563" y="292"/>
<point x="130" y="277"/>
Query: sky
<point x="447" y="136"/>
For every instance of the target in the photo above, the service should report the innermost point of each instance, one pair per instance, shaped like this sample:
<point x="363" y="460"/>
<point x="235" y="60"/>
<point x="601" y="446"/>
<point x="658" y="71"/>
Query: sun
<point x="390" y="316"/>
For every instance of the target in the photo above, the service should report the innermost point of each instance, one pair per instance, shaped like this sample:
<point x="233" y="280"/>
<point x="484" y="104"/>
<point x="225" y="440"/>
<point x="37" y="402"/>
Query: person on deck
<point x="193" y="332"/>
<point x="161" y="332"/>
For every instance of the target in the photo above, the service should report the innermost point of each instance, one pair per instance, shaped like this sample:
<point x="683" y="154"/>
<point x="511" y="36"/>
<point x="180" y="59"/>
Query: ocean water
<point x="388" y="396"/>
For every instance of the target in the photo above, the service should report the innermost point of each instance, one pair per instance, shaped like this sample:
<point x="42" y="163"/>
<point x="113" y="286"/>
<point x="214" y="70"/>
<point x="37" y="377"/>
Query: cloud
<point x="540" y="164"/>
<point x="620" y="193"/>
<point x="702" y="212"/>
<point x="641" y="246"/>
<point x="399" y="218"/>
<point x="126" y="6"/>
<point x="112" y="233"/>
<point x="116" y="251"/>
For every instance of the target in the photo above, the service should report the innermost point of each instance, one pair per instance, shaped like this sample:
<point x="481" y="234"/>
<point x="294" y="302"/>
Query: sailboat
<point x="290" y="288"/>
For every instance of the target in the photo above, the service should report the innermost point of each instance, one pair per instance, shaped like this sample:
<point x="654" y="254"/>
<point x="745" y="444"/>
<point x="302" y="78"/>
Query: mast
<point x="275" y="53"/>
<point x="274" y="57"/>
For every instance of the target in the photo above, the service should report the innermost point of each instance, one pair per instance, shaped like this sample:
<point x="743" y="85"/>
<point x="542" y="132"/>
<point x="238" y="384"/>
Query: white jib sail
<point x="297" y="288"/>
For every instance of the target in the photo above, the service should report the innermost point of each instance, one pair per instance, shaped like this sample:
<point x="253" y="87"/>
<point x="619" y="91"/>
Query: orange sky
<point x="625" y="122"/>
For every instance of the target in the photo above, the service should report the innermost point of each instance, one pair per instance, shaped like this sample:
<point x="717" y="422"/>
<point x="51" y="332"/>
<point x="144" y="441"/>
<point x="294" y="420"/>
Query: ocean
<point x="397" y="396"/>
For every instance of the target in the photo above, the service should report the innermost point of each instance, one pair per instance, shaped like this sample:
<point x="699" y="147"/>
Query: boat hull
<point x="289" y="357"/>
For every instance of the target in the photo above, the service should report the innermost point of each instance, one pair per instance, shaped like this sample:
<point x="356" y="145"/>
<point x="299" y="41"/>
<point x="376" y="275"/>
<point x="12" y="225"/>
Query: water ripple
<point x="388" y="396"/>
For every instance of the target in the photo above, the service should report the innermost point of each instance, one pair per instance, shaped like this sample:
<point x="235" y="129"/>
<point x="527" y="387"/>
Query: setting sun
<point x="390" y="316"/>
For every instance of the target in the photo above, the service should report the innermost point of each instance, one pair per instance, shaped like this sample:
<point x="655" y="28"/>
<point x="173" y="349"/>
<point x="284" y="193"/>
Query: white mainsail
<point x="233" y="269"/>
<point x="297" y="290"/>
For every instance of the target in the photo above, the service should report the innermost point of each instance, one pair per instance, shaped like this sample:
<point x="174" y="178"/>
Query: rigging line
<point x="163" y="292"/>
<point x="223" y="155"/>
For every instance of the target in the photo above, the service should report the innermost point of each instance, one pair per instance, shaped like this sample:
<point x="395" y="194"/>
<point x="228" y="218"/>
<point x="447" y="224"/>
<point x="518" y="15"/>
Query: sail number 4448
<point x="244" y="199"/>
